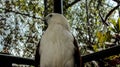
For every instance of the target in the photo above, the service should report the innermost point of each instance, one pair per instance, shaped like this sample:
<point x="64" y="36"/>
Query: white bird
<point x="58" y="47"/>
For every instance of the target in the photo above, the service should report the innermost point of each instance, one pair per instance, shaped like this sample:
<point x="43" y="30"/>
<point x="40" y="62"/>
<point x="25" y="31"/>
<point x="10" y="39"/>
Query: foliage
<point x="20" y="26"/>
<point x="92" y="34"/>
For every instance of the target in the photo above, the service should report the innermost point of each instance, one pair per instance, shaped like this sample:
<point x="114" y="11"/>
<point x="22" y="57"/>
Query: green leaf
<point x="108" y="36"/>
<point x="101" y="37"/>
<point x="113" y="22"/>
<point x="118" y="23"/>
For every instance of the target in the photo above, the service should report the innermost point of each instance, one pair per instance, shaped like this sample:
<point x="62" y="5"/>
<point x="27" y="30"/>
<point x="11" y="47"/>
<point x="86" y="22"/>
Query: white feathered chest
<point x="56" y="47"/>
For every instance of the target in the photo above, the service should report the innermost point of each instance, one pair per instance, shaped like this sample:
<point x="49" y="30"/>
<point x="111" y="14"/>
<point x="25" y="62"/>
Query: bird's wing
<point x="77" y="57"/>
<point x="37" y="56"/>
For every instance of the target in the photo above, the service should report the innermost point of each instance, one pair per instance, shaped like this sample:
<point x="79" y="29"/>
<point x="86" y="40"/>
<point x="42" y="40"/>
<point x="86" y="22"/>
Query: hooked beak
<point x="45" y="22"/>
<point x="43" y="19"/>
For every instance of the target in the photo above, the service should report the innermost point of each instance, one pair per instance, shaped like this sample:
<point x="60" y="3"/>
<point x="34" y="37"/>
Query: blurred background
<point x="95" y="23"/>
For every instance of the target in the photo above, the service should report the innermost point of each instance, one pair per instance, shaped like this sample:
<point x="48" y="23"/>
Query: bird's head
<point x="55" y="18"/>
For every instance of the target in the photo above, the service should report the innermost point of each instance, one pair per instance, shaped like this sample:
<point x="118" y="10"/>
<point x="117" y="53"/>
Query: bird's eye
<point x="50" y="15"/>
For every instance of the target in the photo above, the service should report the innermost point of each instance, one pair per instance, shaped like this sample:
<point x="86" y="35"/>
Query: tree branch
<point x="88" y="24"/>
<point x="103" y="21"/>
<point x="17" y="60"/>
<point x="101" y="54"/>
<point x="118" y="1"/>
<point x="69" y="5"/>
<point x="110" y="12"/>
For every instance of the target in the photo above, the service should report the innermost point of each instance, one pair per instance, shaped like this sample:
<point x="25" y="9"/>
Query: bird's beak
<point x="43" y="19"/>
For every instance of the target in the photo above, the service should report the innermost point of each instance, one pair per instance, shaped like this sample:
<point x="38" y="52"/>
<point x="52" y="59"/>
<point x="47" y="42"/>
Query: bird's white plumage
<point x="56" y="46"/>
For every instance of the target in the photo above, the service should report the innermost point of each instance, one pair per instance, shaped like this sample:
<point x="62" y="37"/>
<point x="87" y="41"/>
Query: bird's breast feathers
<point x="56" y="46"/>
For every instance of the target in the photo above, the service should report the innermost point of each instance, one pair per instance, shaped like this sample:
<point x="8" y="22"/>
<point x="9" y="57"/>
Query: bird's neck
<point x="59" y="25"/>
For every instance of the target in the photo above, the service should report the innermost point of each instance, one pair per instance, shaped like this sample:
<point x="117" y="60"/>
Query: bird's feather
<point x="58" y="47"/>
